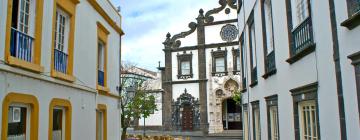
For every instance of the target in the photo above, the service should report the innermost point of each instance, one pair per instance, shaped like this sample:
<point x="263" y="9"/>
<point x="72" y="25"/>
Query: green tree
<point x="237" y="96"/>
<point x="135" y="102"/>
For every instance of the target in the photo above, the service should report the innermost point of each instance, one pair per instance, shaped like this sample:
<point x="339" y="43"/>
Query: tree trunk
<point x="123" y="134"/>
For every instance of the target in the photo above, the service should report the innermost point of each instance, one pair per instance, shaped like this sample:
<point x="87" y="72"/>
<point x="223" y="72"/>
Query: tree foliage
<point x="237" y="97"/>
<point x="141" y="104"/>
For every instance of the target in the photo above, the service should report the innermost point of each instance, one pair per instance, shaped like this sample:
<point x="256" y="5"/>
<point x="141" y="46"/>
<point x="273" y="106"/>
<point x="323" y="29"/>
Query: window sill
<point x="220" y="74"/>
<point x="243" y="90"/>
<point x="269" y="73"/>
<point x="253" y="84"/>
<point x="185" y="76"/>
<point x="236" y="72"/>
<point x="62" y="76"/>
<point x="25" y="65"/>
<point x="102" y="90"/>
<point x="309" y="49"/>
<point x="352" y="21"/>
<point x="111" y="95"/>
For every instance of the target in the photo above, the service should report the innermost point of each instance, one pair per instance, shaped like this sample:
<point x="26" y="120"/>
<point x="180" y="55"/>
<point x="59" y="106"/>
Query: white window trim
<point x="101" y="55"/>
<point x="28" y="114"/>
<point x="61" y="13"/>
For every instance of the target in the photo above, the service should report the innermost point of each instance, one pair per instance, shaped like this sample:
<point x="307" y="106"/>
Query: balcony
<point x="21" y="45"/>
<point x="101" y="78"/>
<point x="270" y="67"/>
<point x="354" y="15"/>
<point x="303" y="41"/>
<point x="60" y="61"/>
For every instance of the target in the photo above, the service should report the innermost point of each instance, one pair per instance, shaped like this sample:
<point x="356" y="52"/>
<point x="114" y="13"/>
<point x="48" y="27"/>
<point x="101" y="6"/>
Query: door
<point x="187" y="118"/>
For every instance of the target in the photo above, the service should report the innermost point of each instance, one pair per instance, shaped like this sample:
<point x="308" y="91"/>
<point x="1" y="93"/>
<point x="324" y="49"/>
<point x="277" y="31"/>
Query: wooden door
<point x="187" y="118"/>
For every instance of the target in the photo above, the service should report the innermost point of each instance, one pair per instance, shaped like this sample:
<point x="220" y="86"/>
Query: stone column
<point x="204" y="125"/>
<point x="166" y="83"/>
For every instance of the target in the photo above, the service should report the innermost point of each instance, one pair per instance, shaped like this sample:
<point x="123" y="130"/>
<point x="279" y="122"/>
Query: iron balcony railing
<point x="254" y="75"/>
<point x="100" y="78"/>
<point x="302" y="36"/>
<point x="270" y="62"/>
<point x="60" y="61"/>
<point x="21" y="45"/>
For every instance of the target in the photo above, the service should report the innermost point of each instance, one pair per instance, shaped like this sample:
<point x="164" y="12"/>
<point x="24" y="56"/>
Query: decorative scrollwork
<point x="223" y="3"/>
<point x="208" y="17"/>
<point x="232" y="4"/>
<point x="174" y="42"/>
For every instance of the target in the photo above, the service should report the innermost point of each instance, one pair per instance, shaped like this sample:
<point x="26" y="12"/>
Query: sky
<point x="146" y="23"/>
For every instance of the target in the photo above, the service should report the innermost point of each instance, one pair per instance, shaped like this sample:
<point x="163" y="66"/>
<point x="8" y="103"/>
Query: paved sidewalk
<point x="195" y="135"/>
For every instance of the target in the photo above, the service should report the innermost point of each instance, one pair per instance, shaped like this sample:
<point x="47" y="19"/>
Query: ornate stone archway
<point x="220" y="96"/>
<point x="184" y="108"/>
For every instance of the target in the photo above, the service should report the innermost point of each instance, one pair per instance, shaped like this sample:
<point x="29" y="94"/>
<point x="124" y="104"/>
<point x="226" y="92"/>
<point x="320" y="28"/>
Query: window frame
<point x="246" y="121"/>
<point x="309" y="45"/>
<point x="103" y="109"/>
<point x="268" y="56"/>
<point x="252" y="50"/>
<point x="300" y="94"/>
<point x="219" y="54"/>
<point x="272" y="101"/>
<point x="26" y="99"/>
<point x="242" y="48"/>
<point x="354" y="16"/>
<point x="182" y="58"/>
<point x="35" y="64"/>
<point x="235" y="55"/>
<point x="102" y="35"/>
<point x="68" y="7"/>
<point x="355" y="58"/>
<point x="256" y="120"/>
<point x="65" y="105"/>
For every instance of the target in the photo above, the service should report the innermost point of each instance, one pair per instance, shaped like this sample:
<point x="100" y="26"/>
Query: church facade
<point x="202" y="72"/>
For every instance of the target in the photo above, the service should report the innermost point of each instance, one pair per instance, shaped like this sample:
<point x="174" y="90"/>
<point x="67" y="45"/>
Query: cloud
<point x="146" y="23"/>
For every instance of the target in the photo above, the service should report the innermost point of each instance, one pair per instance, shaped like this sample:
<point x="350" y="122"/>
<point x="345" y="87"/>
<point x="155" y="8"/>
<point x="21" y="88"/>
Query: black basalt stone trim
<point x="269" y="73"/>
<point x="196" y="47"/>
<point x="356" y="62"/>
<point x="271" y="101"/>
<point x="309" y="49"/>
<point x="304" y="93"/>
<point x="355" y="58"/>
<point x="253" y="84"/>
<point x="336" y="58"/>
<point x="243" y="90"/>
<point x="352" y="22"/>
<point x="309" y="88"/>
<point x="255" y="105"/>
<point x="186" y="81"/>
<point x="184" y="57"/>
<point x="221" y="22"/>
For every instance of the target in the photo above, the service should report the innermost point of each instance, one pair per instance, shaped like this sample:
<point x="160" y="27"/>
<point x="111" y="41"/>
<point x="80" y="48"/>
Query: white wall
<point x="192" y="88"/>
<point x="348" y="44"/>
<point x="81" y="93"/>
<point x="317" y="66"/>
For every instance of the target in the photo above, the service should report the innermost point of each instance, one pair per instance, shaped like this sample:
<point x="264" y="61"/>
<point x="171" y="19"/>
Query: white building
<point x="151" y="82"/>
<point x="298" y="59"/>
<point x="201" y="73"/>
<point x="59" y="69"/>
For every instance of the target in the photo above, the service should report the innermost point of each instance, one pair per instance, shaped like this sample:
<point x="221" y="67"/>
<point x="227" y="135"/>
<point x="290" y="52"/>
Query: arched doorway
<point x="231" y="115"/>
